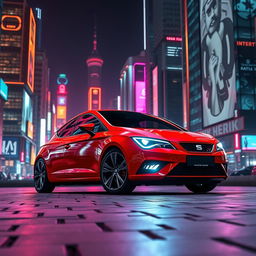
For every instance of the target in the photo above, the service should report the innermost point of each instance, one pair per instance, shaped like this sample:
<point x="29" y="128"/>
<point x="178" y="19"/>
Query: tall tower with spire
<point x="94" y="64"/>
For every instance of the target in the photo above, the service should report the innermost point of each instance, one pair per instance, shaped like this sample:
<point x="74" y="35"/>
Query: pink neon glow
<point x="237" y="142"/>
<point x="140" y="91"/>
<point x="62" y="89"/>
<point x="155" y="90"/>
<point x="22" y="157"/>
<point x="174" y="38"/>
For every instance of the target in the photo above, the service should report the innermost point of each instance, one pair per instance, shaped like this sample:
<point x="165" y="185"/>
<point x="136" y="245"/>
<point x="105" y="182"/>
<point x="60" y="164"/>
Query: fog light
<point x="150" y="166"/>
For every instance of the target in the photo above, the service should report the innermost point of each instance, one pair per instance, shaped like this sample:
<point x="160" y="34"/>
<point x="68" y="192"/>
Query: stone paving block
<point x="161" y="220"/>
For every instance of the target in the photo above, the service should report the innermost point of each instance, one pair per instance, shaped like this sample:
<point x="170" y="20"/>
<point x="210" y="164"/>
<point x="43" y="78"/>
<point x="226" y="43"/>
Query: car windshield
<point x="137" y="120"/>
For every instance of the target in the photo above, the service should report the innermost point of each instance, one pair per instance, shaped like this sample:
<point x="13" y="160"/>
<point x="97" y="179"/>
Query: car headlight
<point x="149" y="143"/>
<point x="219" y="147"/>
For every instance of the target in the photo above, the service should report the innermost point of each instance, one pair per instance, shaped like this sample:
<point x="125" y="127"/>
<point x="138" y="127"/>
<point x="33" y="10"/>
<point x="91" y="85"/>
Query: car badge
<point x="199" y="147"/>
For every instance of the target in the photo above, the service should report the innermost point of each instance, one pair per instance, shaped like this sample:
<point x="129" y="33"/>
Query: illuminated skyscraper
<point x="3" y="98"/>
<point x="17" y="59"/>
<point x="219" y="74"/>
<point x="134" y="84"/>
<point x="162" y="42"/>
<point x="94" y="65"/>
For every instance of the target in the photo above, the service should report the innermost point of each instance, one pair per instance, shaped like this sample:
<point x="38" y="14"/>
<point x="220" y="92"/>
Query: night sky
<point x="67" y="40"/>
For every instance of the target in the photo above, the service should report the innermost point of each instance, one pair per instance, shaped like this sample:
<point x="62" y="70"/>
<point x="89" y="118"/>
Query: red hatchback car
<point x="122" y="149"/>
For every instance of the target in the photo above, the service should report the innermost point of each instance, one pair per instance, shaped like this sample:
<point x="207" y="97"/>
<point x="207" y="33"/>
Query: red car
<point x="122" y="149"/>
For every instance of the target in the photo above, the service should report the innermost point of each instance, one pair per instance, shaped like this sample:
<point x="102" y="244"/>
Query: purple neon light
<point x="140" y="90"/>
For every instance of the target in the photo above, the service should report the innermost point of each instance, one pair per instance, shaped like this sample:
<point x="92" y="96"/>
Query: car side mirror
<point x="88" y="128"/>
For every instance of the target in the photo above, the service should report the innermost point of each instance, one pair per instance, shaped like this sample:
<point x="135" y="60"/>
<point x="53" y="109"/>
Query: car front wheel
<point x="114" y="173"/>
<point x="201" y="188"/>
<point x="41" y="182"/>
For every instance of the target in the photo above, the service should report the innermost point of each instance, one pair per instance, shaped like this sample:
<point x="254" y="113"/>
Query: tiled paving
<point x="160" y="220"/>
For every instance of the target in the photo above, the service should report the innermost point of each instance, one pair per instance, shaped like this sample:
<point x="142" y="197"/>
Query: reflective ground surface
<point x="164" y="220"/>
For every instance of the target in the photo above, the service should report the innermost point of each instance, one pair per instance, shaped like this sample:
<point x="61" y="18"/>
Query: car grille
<point x="182" y="169"/>
<point x="197" y="147"/>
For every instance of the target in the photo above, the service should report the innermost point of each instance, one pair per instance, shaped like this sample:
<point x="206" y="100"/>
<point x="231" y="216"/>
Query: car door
<point x="57" y="148"/>
<point x="82" y="150"/>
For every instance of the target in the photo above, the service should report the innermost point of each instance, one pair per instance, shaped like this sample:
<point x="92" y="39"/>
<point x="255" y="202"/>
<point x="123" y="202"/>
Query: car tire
<point x="41" y="181"/>
<point x="114" y="173"/>
<point x="201" y="188"/>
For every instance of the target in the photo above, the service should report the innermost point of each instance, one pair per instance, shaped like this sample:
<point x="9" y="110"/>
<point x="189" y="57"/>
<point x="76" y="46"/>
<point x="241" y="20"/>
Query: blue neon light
<point x="3" y="89"/>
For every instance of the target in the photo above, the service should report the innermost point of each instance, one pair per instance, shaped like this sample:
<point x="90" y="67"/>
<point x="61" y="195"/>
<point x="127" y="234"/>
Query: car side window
<point x="66" y="129"/>
<point x="88" y="119"/>
<point x="69" y="128"/>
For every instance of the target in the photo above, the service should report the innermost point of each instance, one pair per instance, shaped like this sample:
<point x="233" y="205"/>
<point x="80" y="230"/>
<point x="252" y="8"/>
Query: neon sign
<point x="94" y="98"/>
<point x="11" y="23"/>
<point x="62" y="79"/>
<point x="61" y="112"/>
<point x="245" y="43"/>
<point x="31" y="51"/>
<point x="62" y="89"/>
<point x="3" y="89"/>
<point x="139" y="71"/>
<point x="174" y="38"/>
<point x="155" y="90"/>
<point x="62" y="100"/>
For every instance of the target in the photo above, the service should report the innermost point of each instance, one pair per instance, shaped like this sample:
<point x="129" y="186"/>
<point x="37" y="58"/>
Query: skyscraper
<point x="219" y="74"/>
<point x="134" y="84"/>
<point x="163" y="46"/>
<point x="3" y="98"/>
<point x="94" y="65"/>
<point x="17" y="59"/>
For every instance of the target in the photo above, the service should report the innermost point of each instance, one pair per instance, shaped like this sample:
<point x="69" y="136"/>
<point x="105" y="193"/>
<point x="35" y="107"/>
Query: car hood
<point x="175" y="136"/>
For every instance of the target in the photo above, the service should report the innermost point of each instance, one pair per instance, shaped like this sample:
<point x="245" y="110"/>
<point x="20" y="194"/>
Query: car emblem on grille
<point x="199" y="147"/>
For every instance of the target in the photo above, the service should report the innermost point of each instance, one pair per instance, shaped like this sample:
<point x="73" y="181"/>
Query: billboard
<point x="94" y="98"/>
<point x="140" y="87"/>
<point x="61" y="112"/>
<point x="11" y="147"/>
<point x="217" y="60"/>
<point x="248" y="142"/>
<point x="26" y="112"/>
<point x="3" y="89"/>
<point x="31" y="51"/>
<point x="155" y="90"/>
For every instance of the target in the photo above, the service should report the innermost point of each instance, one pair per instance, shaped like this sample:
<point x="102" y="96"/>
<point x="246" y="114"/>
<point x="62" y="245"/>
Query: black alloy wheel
<point x="114" y="173"/>
<point x="41" y="182"/>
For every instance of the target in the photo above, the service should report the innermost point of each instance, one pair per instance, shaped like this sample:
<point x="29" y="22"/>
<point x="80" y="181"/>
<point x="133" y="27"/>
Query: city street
<point x="160" y="220"/>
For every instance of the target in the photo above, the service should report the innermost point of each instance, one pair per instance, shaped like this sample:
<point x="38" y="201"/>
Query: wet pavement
<point x="156" y="220"/>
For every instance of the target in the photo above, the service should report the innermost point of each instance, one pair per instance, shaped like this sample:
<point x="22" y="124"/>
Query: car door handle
<point x="67" y="146"/>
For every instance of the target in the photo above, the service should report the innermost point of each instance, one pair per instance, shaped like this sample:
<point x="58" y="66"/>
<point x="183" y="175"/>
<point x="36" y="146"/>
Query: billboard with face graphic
<point x="217" y="61"/>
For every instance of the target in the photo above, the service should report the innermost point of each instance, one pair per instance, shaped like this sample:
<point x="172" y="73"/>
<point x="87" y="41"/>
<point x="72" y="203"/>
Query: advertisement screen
<point x="155" y="90"/>
<point x="26" y="112"/>
<point x="61" y="112"/>
<point x="3" y="89"/>
<point x="31" y="51"/>
<point x="11" y="147"/>
<point x="248" y="142"/>
<point x="218" y="63"/>
<point x="62" y="100"/>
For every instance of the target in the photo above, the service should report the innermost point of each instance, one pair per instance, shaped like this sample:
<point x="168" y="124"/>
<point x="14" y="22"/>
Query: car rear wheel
<point x="114" y="173"/>
<point x="41" y="182"/>
<point x="201" y="188"/>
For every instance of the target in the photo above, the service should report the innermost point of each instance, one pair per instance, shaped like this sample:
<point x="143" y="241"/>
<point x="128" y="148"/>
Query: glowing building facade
<point x="94" y="66"/>
<point x="162" y="43"/>
<point x="219" y="74"/>
<point x="134" y="84"/>
<point x="17" y="64"/>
